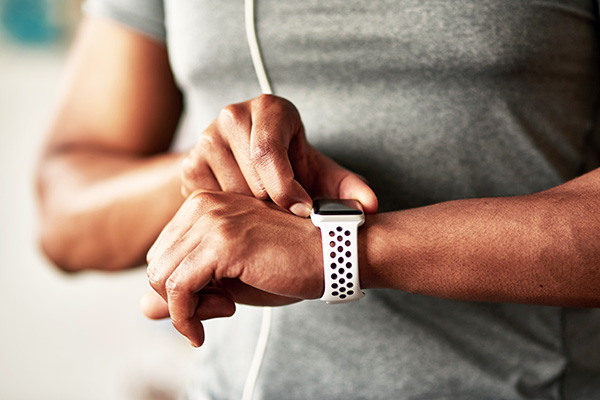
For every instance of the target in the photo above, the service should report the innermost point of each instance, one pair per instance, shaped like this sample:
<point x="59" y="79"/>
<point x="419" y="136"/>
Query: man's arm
<point x="106" y="184"/>
<point x="542" y="248"/>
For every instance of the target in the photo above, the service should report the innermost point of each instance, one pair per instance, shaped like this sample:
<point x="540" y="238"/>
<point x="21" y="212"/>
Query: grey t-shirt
<point x="431" y="101"/>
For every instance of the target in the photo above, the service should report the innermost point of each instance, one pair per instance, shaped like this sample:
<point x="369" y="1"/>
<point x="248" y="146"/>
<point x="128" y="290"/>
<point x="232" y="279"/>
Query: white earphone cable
<point x="265" y="87"/>
<point x="259" y="353"/>
<point x="261" y="74"/>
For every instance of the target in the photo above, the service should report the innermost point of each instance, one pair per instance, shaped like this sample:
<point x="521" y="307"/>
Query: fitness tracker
<point x="339" y="221"/>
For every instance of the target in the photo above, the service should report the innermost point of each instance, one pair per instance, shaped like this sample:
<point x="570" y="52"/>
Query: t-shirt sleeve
<point x="145" y="16"/>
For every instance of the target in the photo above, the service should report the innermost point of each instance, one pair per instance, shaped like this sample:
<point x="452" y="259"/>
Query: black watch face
<point x="337" y="207"/>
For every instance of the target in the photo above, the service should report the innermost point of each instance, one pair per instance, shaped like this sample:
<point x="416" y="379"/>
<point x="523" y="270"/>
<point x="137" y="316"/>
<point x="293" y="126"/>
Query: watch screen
<point x="337" y="207"/>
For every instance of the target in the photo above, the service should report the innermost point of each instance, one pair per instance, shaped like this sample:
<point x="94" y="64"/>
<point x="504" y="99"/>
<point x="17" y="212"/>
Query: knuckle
<point x="207" y="207"/>
<point x="259" y="190"/>
<point x="208" y="140"/>
<point x="262" y="194"/>
<point x="189" y="168"/>
<point x="193" y="166"/>
<point x="265" y="101"/>
<point x="233" y="113"/>
<point x="188" y="185"/>
<point x="155" y="278"/>
<point x="173" y="286"/>
<point x="204" y="199"/>
<point x="275" y="103"/>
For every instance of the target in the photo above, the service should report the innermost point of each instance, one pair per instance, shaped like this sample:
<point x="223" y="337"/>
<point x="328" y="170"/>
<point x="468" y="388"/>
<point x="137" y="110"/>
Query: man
<point x="474" y="122"/>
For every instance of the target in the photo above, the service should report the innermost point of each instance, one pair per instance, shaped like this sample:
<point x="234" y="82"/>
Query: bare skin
<point x="104" y="168"/>
<point x="259" y="148"/>
<point x="101" y="178"/>
<point x="108" y="185"/>
<point x="536" y="249"/>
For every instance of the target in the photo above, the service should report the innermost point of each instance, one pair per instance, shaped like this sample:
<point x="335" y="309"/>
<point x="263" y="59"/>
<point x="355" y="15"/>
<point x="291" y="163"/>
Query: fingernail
<point x="301" y="210"/>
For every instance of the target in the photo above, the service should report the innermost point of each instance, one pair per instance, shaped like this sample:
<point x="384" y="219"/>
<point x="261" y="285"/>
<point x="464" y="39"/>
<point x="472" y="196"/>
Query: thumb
<point x="337" y="182"/>
<point x="353" y="186"/>
<point x="153" y="306"/>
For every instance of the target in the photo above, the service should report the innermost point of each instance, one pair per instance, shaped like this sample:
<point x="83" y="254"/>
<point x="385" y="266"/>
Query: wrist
<point x="373" y="244"/>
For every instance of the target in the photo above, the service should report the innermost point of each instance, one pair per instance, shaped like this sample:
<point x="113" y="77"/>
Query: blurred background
<point x="62" y="336"/>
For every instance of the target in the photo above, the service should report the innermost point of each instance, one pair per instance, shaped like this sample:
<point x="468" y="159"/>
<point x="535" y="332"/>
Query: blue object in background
<point x="28" y="21"/>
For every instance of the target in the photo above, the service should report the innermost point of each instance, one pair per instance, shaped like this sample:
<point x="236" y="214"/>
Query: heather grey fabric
<point x="431" y="101"/>
<point x="145" y="16"/>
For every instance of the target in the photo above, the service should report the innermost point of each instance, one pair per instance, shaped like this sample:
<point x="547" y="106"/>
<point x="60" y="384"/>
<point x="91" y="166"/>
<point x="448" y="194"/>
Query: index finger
<point x="191" y="300"/>
<point x="276" y="127"/>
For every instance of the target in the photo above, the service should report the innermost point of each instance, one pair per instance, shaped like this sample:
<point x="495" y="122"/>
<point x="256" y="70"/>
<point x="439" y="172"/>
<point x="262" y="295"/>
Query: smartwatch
<point x="339" y="221"/>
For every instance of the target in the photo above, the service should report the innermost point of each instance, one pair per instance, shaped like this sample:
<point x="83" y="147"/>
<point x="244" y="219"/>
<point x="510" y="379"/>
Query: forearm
<point x="102" y="210"/>
<point x="540" y="249"/>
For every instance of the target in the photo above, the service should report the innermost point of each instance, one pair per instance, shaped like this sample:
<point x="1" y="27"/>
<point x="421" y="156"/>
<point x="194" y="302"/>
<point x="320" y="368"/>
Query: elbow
<point x="53" y="238"/>
<point x="74" y="243"/>
<point x="65" y="236"/>
<point x="62" y="244"/>
<point x="71" y="250"/>
<point x="57" y="252"/>
<point x="77" y="233"/>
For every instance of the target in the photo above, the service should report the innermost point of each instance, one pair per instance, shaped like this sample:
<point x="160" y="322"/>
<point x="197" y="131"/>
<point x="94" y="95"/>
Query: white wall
<point x="65" y="337"/>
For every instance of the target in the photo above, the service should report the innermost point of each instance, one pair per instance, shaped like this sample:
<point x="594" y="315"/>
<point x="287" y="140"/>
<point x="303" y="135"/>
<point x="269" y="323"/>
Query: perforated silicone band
<point x="340" y="261"/>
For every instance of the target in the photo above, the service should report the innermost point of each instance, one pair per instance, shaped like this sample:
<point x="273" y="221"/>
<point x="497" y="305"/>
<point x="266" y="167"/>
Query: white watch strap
<point x="340" y="261"/>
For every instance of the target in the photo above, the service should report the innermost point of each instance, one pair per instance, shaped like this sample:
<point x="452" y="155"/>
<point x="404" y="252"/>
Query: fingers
<point x="270" y="144"/>
<point x="211" y="303"/>
<point x="245" y="294"/>
<point x="189" y="309"/>
<point x="191" y="300"/>
<point x="196" y="174"/>
<point x="180" y="271"/>
<point x="177" y="241"/>
<point x="210" y="165"/>
<point x="172" y="245"/>
<point x="259" y="148"/>
<point x="246" y="150"/>
<point x="260" y="134"/>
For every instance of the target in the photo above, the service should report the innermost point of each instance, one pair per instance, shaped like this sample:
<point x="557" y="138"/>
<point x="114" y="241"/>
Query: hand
<point x="260" y="144"/>
<point x="224" y="247"/>
<point x="259" y="148"/>
<point x="155" y="307"/>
